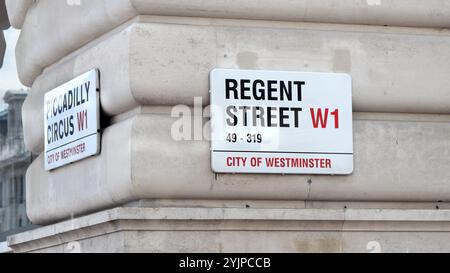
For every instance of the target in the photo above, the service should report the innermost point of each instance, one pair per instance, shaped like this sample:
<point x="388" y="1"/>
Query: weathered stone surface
<point x="397" y="158"/>
<point x="17" y="11"/>
<point x="44" y="42"/>
<point x="255" y="230"/>
<point x="390" y="67"/>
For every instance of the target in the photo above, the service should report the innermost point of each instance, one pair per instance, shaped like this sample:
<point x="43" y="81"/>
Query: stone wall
<point x="155" y="54"/>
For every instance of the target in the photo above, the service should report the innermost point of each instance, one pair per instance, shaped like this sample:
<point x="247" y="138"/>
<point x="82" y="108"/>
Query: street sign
<point x="72" y="121"/>
<point x="281" y="122"/>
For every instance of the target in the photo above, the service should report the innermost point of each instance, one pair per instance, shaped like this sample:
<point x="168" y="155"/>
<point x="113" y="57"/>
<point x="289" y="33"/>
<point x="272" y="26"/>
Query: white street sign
<point x="281" y="122"/>
<point x="72" y="121"/>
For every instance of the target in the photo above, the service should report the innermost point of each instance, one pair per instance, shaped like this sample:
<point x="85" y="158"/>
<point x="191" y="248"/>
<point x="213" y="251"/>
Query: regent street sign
<point x="281" y="122"/>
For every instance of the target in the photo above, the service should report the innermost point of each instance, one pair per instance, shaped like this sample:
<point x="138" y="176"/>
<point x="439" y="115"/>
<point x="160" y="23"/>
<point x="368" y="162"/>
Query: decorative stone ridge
<point x="260" y="228"/>
<point x="140" y="160"/>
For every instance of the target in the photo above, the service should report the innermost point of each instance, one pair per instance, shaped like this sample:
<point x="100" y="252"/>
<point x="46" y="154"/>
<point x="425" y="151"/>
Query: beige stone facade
<point x="155" y="54"/>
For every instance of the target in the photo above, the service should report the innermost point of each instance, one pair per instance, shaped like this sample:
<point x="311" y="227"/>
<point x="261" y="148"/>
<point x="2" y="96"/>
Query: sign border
<point x="98" y="117"/>
<point x="212" y="151"/>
